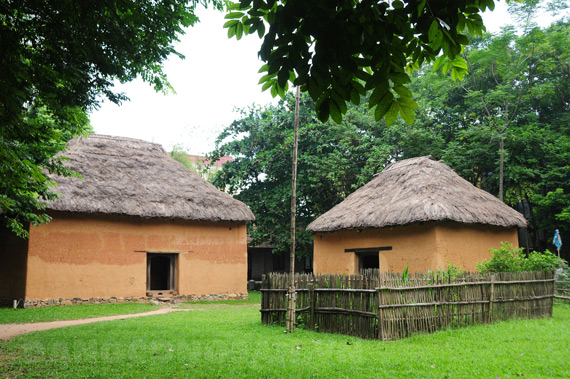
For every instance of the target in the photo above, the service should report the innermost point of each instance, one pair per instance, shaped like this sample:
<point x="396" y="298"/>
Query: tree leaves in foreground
<point x="338" y="50"/>
<point x="62" y="57"/>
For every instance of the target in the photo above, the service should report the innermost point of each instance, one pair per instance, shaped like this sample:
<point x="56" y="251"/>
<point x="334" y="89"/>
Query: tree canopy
<point x="337" y="50"/>
<point x="452" y="124"/>
<point x="61" y="58"/>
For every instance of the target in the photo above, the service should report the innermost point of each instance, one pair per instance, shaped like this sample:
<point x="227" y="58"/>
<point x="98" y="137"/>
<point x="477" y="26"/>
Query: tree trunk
<point x="501" y="165"/>
<point x="290" y="323"/>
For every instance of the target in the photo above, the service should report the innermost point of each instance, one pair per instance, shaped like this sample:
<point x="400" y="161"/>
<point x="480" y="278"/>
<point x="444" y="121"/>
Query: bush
<point x="510" y="259"/>
<point x="546" y="261"/>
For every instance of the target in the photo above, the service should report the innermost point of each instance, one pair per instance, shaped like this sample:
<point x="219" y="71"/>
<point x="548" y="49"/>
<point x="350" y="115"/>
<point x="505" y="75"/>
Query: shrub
<point x="546" y="261"/>
<point x="510" y="259"/>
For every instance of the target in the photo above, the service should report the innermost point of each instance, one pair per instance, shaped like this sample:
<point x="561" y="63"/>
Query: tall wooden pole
<point x="290" y="324"/>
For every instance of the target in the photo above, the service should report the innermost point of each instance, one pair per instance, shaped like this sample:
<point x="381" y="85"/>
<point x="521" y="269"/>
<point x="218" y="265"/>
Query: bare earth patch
<point x="8" y="331"/>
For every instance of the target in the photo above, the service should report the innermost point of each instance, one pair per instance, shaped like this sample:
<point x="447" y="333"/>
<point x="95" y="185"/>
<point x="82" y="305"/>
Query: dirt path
<point x="8" y="331"/>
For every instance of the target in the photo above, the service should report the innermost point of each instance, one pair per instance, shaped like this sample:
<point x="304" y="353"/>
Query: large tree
<point x="517" y="94"/>
<point x="62" y="57"/>
<point x="334" y="160"/>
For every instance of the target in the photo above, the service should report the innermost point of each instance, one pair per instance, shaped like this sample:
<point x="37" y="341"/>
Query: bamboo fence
<point x="562" y="288"/>
<point x="383" y="306"/>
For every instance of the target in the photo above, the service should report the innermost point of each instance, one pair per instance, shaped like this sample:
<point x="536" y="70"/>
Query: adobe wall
<point x="88" y="256"/>
<point x="466" y="245"/>
<point x="425" y="246"/>
<point x="13" y="254"/>
<point x="412" y="243"/>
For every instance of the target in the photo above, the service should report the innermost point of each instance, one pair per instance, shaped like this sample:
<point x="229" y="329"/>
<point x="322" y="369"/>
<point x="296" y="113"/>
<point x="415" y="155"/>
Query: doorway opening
<point x="368" y="261"/>
<point x="161" y="273"/>
<point x="369" y="257"/>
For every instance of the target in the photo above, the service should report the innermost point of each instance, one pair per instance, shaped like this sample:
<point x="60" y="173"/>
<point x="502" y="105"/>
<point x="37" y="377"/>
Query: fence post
<point x="380" y="315"/>
<point x="312" y="300"/>
<point x="491" y="298"/>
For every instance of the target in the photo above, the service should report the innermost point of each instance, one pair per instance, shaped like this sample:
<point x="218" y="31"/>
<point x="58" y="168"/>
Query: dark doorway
<point x="161" y="272"/>
<point x="368" y="257"/>
<point x="369" y="260"/>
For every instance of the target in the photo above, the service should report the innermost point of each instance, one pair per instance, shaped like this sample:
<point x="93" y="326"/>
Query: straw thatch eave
<point x="417" y="190"/>
<point x="130" y="177"/>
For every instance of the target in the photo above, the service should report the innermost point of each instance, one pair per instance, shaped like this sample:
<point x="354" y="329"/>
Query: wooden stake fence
<point x="383" y="306"/>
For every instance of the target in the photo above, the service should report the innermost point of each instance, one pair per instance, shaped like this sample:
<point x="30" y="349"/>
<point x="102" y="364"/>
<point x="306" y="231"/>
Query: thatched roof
<point x="125" y="176"/>
<point x="417" y="190"/>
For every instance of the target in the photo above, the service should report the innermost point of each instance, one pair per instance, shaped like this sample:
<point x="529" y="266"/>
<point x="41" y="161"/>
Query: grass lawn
<point x="71" y="312"/>
<point x="214" y="340"/>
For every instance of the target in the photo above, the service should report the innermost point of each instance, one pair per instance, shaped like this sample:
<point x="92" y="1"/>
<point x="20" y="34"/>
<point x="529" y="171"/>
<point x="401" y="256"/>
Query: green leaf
<point x="375" y="80"/>
<point x="234" y="15"/>
<point x="383" y="105"/>
<point x="261" y="29"/>
<point x="335" y="111"/>
<point x="267" y="85"/>
<point x="263" y="68"/>
<point x="421" y="7"/>
<point x="408" y="102"/>
<point x="231" y="23"/>
<point x="402" y="91"/>
<point x="378" y="93"/>
<point x="340" y="102"/>
<point x="282" y="77"/>
<point x="460" y="63"/>
<point x="392" y="113"/>
<point x="433" y="30"/>
<point x="265" y="78"/>
<point x="354" y="96"/>
<point x="438" y="62"/>
<point x="463" y="40"/>
<point x="232" y="31"/>
<point x="406" y="113"/>
<point x="359" y="87"/>
<point x="323" y="111"/>
<point x="239" y="31"/>
<point x="400" y="78"/>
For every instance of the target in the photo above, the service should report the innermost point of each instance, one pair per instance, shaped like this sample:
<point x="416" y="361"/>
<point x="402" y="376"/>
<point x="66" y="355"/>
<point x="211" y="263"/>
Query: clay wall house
<point x="418" y="212"/>
<point x="137" y="223"/>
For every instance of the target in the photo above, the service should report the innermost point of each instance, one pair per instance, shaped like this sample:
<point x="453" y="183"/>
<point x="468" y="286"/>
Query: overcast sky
<point x="217" y="76"/>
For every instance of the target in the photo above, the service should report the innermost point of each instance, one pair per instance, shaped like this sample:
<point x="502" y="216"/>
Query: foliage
<point x="229" y="341"/>
<point x="510" y="259"/>
<point x="450" y="273"/>
<point x="334" y="160"/>
<point x="61" y="57"/>
<point x="527" y="92"/>
<point x="71" y="312"/>
<point x="180" y="154"/>
<point x="545" y="261"/>
<point x="337" y="51"/>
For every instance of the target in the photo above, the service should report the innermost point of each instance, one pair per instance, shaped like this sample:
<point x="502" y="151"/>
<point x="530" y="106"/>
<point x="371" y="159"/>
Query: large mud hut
<point x="136" y="224"/>
<point x="417" y="212"/>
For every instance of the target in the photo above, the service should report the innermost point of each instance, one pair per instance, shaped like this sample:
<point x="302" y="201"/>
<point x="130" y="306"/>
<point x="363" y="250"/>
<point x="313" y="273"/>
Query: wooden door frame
<point x="172" y="274"/>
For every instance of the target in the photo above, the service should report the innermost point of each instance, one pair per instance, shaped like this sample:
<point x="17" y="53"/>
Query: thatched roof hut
<point x="417" y="190"/>
<point x="130" y="177"/>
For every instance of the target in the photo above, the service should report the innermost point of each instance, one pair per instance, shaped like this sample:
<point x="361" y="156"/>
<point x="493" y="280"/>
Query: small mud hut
<point x="136" y="224"/>
<point x="418" y="212"/>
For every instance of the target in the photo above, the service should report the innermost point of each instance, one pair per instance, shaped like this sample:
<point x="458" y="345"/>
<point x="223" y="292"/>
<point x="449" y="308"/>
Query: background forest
<point x="505" y="128"/>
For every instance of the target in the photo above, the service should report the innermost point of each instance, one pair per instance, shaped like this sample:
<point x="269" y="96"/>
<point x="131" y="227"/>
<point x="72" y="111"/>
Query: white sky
<point x="217" y="76"/>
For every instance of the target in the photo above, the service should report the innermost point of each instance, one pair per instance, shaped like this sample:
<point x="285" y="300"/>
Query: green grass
<point x="228" y="341"/>
<point x="71" y="312"/>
